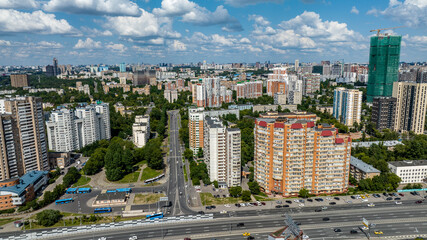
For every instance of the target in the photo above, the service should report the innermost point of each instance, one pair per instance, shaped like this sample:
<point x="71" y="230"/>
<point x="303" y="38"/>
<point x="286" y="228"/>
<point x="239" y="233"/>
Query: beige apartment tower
<point x="411" y="106"/>
<point x="19" y="80"/>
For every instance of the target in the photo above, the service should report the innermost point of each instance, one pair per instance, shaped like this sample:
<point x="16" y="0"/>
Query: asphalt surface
<point x="392" y="221"/>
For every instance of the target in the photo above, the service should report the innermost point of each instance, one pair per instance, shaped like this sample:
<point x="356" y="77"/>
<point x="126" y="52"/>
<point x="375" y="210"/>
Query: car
<point x="237" y="204"/>
<point x="278" y="206"/>
<point x="180" y="193"/>
<point x="418" y="202"/>
<point x="246" y="234"/>
<point x="371" y="205"/>
<point x="289" y="201"/>
<point x="201" y="212"/>
<point x="325" y="219"/>
<point x="213" y="207"/>
<point x="250" y="238"/>
<point x="240" y="225"/>
<point x="353" y="197"/>
<point x="223" y="212"/>
<point x="337" y="230"/>
<point x="255" y="204"/>
<point x="365" y="200"/>
<point x="310" y="200"/>
<point x="395" y="194"/>
<point x="321" y="199"/>
<point x="296" y="200"/>
<point x="305" y="237"/>
<point x="353" y="232"/>
<point x="279" y="202"/>
<point x="263" y="203"/>
<point x="385" y="194"/>
<point x="378" y="232"/>
<point x="301" y="205"/>
<point x="337" y="198"/>
<point x="208" y="208"/>
<point x="398" y="203"/>
<point x="332" y="203"/>
<point x="297" y="223"/>
<point x="401" y="194"/>
<point x="324" y="208"/>
<point x="286" y="205"/>
<point x="318" y="210"/>
<point x="397" y="199"/>
<point x="301" y="201"/>
<point x="187" y="238"/>
<point x="133" y="238"/>
<point x="389" y="199"/>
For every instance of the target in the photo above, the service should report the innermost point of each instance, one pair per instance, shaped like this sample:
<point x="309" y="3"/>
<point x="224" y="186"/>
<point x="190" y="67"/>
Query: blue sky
<point x="32" y="32"/>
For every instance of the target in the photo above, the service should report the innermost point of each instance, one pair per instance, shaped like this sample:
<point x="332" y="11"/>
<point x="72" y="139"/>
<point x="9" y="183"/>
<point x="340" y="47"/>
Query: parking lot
<point x="320" y="203"/>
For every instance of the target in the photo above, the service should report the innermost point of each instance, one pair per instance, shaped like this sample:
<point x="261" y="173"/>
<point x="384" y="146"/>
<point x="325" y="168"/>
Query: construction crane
<point x="378" y="30"/>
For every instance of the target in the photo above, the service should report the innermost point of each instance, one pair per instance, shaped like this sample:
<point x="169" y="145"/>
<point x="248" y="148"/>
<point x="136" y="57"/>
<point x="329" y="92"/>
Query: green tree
<point x="352" y="180"/>
<point x="71" y="177"/>
<point x="303" y="193"/>
<point x="235" y="191"/>
<point x="246" y="195"/>
<point x="200" y="153"/>
<point x="48" y="218"/>
<point x="254" y="187"/>
<point x="188" y="154"/>
<point x="215" y="183"/>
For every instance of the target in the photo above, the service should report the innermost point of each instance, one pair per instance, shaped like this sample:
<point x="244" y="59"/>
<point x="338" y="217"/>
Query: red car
<point x="418" y="202"/>
<point x="401" y="194"/>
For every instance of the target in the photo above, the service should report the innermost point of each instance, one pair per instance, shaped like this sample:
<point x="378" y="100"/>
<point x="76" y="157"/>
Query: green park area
<point x="147" y="198"/>
<point x="209" y="199"/>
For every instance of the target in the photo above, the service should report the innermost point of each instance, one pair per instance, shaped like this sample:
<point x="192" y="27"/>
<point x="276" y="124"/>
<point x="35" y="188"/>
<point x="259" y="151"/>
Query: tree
<point x="254" y="187"/>
<point x="48" y="218"/>
<point x="215" y="183"/>
<point x="71" y="177"/>
<point x="246" y="195"/>
<point x="352" y="180"/>
<point x="303" y="193"/>
<point x="188" y="154"/>
<point x="235" y="191"/>
<point x="200" y="153"/>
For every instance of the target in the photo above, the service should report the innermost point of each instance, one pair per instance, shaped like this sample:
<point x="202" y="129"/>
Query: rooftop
<point x="364" y="167"/>
<point x="111" y="196"/>
<point x="384" y="143"/>
<point x="409" y="163"/>
<point x="24" y="181"/>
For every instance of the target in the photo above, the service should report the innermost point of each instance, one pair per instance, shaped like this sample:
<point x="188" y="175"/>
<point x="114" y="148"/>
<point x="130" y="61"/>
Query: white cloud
<point x="245" y="40"/>
<point x="117" y="47"/>
<point x="258" y="19"/>
<point x="45" y="44"/>
<point x="221" y="40"/>
<point x="191" y="12"/>
<point x="89" y="43"/>
<point x="412" y="13"/>
<point x="241" y="3"/>
<point x="19" y="4"/>
<point x="94" y="7"/>
<point x="13" y="21"/>
<point x="354" y="10"/>
<point x="5" y="43"/>
<point x="178" y="46"/>
<point x="93" y="32"/>
<point x="147" y="25"/>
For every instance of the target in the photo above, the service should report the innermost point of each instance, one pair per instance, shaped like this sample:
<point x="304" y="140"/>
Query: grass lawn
<point x="147" y="198"/>
<point x="68" y="223"/>
<point x="141" y="163"/>
<point x="129" y="178"/>
<point x="148" y="173"/>
<point x="208" y="199"/>
<point x="4" y="221"/>
<point x="83" y="180"/>
<point x="185" y="174"/>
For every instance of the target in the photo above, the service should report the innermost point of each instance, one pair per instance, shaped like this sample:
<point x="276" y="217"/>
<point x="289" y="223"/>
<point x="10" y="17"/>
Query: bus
<point x="151" y="180"/>
<point x="63" y="201"/>
<point x="71" y="191"/>
<point x="84" y="190"/>
<point x="155" y="216"/>
<point x="102" y="210"/>
<point x="126" y="190"/>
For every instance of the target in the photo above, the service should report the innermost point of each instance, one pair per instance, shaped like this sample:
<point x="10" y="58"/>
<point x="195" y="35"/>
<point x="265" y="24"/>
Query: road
<point x="393" y="221"/>
<point x="176" y="190"/>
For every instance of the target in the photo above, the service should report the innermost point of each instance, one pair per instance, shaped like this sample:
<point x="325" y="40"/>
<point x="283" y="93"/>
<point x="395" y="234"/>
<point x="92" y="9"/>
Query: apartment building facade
<point x="347" y="106"/>
<point x="221" y="152"/>
<point x="248" y="89"/>
<point x="293" y="154"/>
<point x="411" y="106"/>
<point x="141" y="130"/>
<point x="208" y="92"/>
<point x="23" y="139"/>
<point x="383" y="112"/>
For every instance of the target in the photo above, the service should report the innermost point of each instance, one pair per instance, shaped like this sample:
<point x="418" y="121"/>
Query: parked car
<point x="240" y="224"/>
<point x="325" y="219"/>
<point x="353" y="232"/>
<point x="337" y="230"/>
<point x="318" y="210"/>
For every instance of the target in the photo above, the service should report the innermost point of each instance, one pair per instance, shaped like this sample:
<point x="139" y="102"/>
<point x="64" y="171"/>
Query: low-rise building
<point x="361" y="170"/>
<point x="413" y="171"/>
<point x="389" y="144"/>
<point x="280" y="98"/>
<point x="110" y="198"/>
<point x="59" y="159"/>
<point x="16" y="191"/>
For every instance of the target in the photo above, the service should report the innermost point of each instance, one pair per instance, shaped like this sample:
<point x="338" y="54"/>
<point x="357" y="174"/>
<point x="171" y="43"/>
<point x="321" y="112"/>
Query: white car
<point x="226" y="205"/>
<point x="398" y="203"/>
<point x="364" y="200"/>
<point x="305" y="237"/>
<point x="223" y="212"/>
<point x="133" y="238"/>
<point x="301" y="205"/>
<point x="296" y="200"/>
<point x="371" y="205"/>
<point x="324" y="208"/>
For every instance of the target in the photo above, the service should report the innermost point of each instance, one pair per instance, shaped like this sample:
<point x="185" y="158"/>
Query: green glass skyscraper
<point x="383" y="65"/>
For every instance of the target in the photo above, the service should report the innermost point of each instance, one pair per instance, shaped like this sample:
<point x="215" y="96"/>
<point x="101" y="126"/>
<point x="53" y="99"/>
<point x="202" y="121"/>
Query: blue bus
<point x="126" y="190"/>
<point x="102" y="210"/>
<point x="71" y="191"/>
<point x="84" y="190"/>
<point x="155" y="216"/>
<point x="63" y="201"/>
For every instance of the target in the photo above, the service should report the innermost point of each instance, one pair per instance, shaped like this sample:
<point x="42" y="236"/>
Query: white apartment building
<point x="222" y="152"/>
<point x="347" y="106"/>
<point x="414" y="171"/>
<point x="68" y="129"/>
<point x="141" y="130"/>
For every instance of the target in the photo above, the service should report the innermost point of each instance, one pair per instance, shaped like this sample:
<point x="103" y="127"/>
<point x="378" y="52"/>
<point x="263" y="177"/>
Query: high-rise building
<point x="141" y="130"/>
<point x="222" y="152"/>
<point x="248" y="89"/>
<point x="122" y="67"/>
<point x="56" y="71"/>
<point x="143" y="77"/>
<point x="383" y="65"/>
<point x="23" y="137"/>
<point x="210" y="93"/>
<point x="196" y="117"/>
<point x="347" y="106"/>
<point x="70" y="130"/>
<point x="277" y="81"/>
<point x="383" y="112"/>
<point x="293" y="154"/>
<point x="411" y="106"/>
<point x="310" y="83"/>
<point x="280" y="98"/>
<point x="19" y="80"/>
<point x="296" y="65"/>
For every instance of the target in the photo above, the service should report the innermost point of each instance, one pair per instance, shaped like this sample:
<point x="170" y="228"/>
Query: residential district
<point x="328" y="150"/>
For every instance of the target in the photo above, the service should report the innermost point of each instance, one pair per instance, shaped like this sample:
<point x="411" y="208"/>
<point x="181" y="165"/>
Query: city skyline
<point x="223" y="31"/>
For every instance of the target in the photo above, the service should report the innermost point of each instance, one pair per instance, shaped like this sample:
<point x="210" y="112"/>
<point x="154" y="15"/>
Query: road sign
<point x="365" y="222"/>
<point x="164" y="199"/>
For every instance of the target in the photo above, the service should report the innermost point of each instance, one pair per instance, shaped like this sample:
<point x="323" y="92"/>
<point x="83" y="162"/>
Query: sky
<point x="32" y="32"/>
